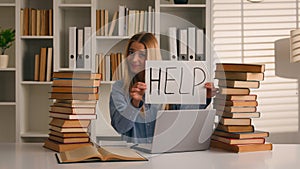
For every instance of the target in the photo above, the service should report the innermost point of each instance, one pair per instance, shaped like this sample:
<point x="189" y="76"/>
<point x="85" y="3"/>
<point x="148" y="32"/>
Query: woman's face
<point x="136" y="58"/>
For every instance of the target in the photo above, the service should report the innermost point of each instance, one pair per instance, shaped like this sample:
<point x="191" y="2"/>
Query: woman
<point x="129" y="115"/>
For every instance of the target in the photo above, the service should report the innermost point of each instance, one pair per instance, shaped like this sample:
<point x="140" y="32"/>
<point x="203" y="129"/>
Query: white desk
<point x="34" y="156"/>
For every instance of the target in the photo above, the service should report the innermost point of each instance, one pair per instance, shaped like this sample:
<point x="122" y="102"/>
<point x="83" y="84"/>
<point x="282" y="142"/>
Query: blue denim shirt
<point x="128" y="120"/>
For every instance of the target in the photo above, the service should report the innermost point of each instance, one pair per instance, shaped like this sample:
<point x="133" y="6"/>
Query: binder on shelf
<point x="102" y="22"/>
<point x="121" y="20"/>
<point x="145" y="21"/>
<point x="107" y="68"/>
<point x="172" y="43"/>
<point x="131" y="22"/>
<point x="200" y="56"/>
<point x="50" y="22"/>
<point x="72" y="47"/>
<point x="191" y="43"/>
<point x="153" y="21"/>
<point x="49" y="64"/>
<point x="102" y="68"/>
<point x="149" y="18"/>
<point x="36" y="67"/>
<point x="141" y="24"/>
<point x="126" y="21"/>
<point x="79" y="58"/>
<point x="43" y="62"/>
<point x="38" y="22"/>
<point x="105" y="22"/>
<point x="87" y="47"/>
<point x="44" y="22"/>
<point x="182" y="38"/>
<point x="32" y="23"/>
<point x="22" y="22"/>
<point x="136" y="23"/>
<point x="26" y="21"/>
<point x="98" y="25"/>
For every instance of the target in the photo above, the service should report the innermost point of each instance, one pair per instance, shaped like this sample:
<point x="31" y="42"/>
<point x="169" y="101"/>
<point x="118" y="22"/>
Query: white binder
<point x="107" y="67"/>
<point x="87" y="48"/>
<point x="149" y="18"/>
<point x="182" y="37"/>
<point x="121" y="25"/>
<point x="79" y="58"/>
<point x="191" y="43"/>
<point x="200" y="56"/>
<point x="172" y="33"/>
<point x="72" y="47"/>
<point x="131" y="22"/>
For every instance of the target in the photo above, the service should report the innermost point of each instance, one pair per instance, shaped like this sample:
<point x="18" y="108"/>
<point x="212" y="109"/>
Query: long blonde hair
<point x="153" y="53"/>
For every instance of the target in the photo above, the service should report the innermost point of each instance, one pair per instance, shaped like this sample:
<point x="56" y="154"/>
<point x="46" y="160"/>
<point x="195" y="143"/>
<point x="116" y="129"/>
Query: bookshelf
<point x="25" y="102"/>
<point x="8" y="77"/>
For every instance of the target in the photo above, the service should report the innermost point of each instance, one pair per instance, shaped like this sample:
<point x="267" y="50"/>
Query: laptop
<point x="180" y="130"/>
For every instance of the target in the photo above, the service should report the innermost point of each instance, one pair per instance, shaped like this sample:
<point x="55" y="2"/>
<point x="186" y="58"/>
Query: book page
<point x="122" y="153"/>
<point x="80" y="154"/>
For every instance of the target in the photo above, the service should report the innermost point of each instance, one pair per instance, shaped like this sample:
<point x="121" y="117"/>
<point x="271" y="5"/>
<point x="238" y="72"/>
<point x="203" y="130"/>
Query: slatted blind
<point x="244" y="32"/>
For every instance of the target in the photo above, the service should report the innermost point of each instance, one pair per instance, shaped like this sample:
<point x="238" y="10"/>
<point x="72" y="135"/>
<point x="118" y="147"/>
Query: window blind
<point x="244" y="32"/>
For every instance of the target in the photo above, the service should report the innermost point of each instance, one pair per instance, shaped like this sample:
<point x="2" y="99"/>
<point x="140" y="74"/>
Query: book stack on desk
<point x="75" y="96"/>
<point x="236" y="107"/>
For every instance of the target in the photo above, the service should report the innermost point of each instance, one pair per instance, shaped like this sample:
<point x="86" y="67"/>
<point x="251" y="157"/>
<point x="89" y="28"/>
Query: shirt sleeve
<point x="123" y="114"/>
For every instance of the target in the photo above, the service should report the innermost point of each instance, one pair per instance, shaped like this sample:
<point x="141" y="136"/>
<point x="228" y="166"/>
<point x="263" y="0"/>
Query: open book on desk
<point x="99" y="154"/>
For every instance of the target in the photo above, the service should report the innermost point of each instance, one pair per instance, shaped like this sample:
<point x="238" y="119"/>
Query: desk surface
<point x="34" y="156"/>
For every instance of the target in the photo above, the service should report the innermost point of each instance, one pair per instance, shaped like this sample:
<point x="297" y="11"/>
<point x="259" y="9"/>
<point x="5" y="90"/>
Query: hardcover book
<point x="60" y="147"/>
<point x="237" y="148"/>
<point x="76" y="75"/>
<point x="252" y="97"/>
<point x="237" y="115"/>
<point x="245" y="76"/>
<point x="239" y="84"/>
<point x="97" y="153"/>
<point x="232" y="141"/>
<point x="235" y="128"/>
<point x="243" y="135"/>
<point x="69" y="123"/>
<point x="240" y="67"/>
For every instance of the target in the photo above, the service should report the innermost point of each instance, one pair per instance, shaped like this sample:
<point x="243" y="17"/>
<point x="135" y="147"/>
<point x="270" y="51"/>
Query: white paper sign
<point x="175" y="82"/>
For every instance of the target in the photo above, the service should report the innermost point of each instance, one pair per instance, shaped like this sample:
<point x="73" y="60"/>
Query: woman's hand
<point x="210" y="89"/>
<point x="137" y="92"/>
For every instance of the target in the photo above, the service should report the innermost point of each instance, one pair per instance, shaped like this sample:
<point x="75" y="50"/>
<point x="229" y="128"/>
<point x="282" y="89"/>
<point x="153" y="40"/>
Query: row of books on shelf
<point x="80" y="49"/>
<point x="236" y="108"/>
<point x="129" y="21"/>
<point x="36" y="22"/>
<point x="43" y="64"/>
<point x="75" y="97"/>
<point x="110" y="66"/>
<point x="186" y="44"/>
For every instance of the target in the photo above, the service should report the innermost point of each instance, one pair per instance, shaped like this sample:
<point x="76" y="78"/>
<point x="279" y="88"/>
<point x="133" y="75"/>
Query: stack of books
<point x="75" y="95"/>
<point x="236" y="107"/>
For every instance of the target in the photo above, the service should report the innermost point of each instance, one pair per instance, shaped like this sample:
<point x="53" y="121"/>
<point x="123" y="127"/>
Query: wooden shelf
<point x="183" y="6"/>
<point x="7" y="4"/>
<point x="7" y="103"/>
<point x="35" y="134"/>
<point x="7" y="69"/>
<point x="75" y="5"/>
<point x="36" y="37"/>
<point x="35" y="83"/>
<point x="112" y="37"/>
